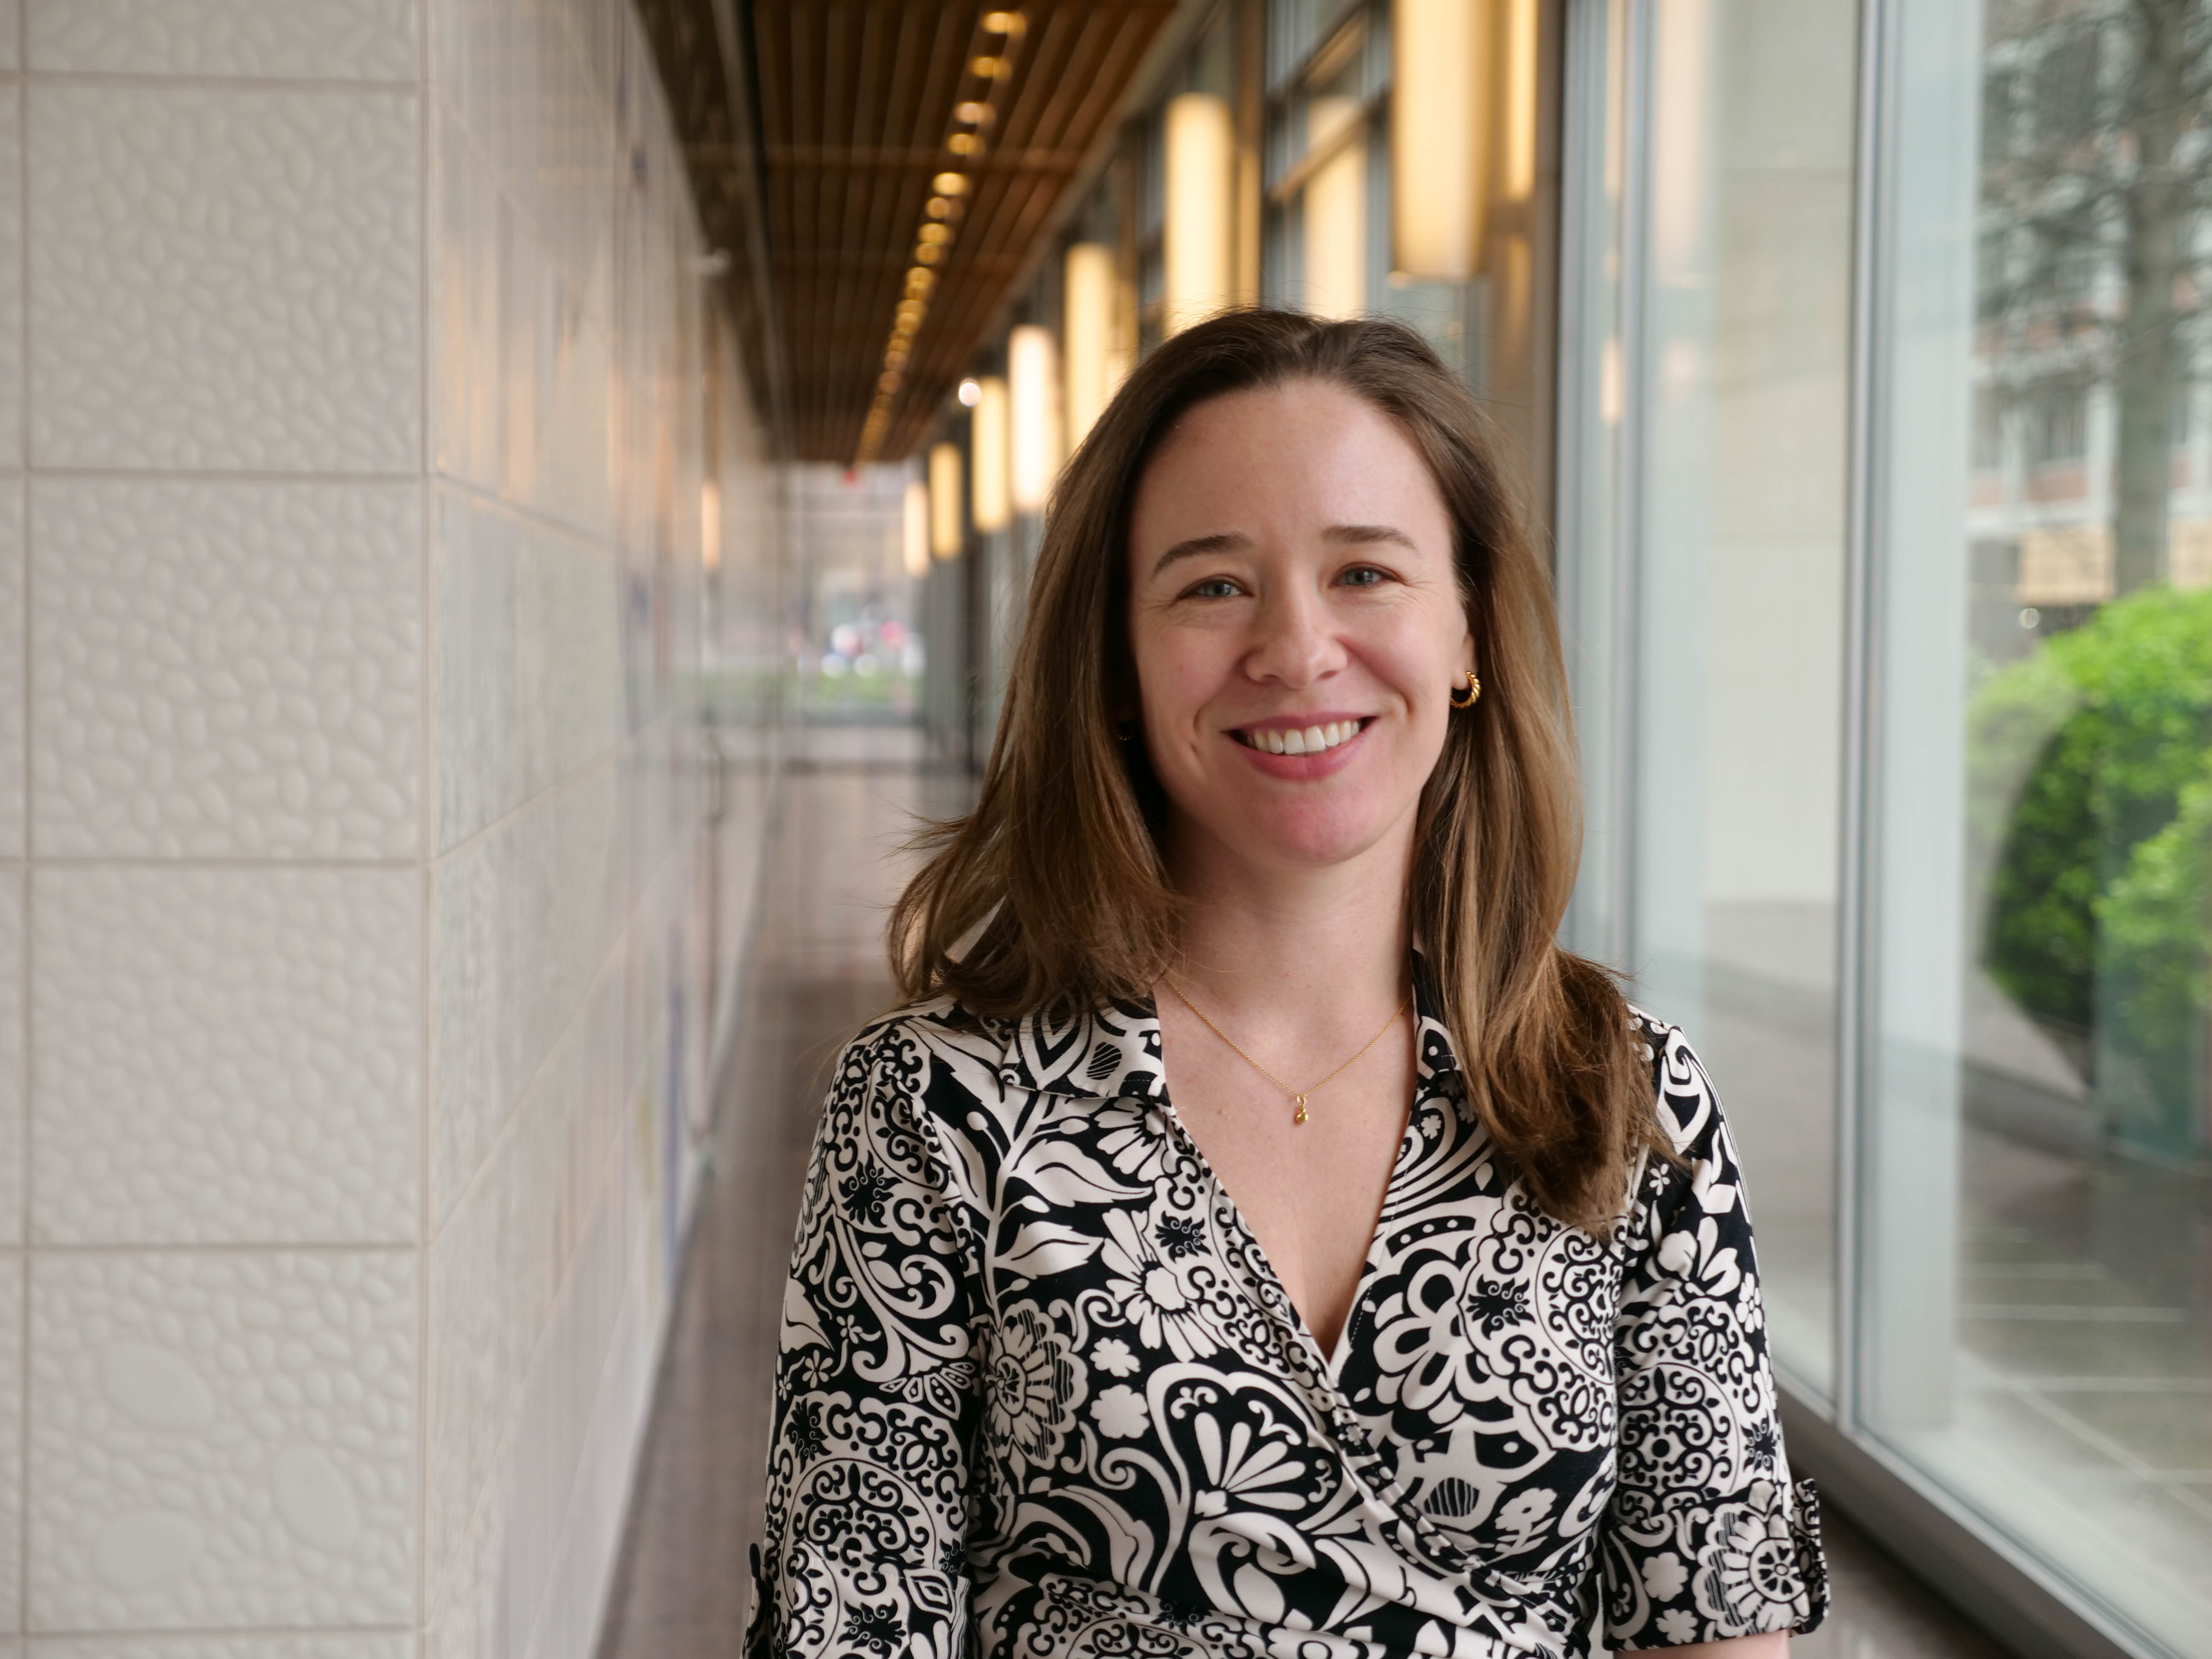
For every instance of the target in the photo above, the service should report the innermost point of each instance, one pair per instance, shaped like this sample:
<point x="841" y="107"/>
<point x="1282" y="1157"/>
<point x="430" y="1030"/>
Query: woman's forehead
<point x="1304" y="452"/>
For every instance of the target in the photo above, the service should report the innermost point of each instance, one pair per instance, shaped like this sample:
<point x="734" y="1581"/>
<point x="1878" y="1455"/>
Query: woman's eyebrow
<point x="1231" y="541"/>
<point x="1360" y="535"/>
<point x="1226" y="541"/>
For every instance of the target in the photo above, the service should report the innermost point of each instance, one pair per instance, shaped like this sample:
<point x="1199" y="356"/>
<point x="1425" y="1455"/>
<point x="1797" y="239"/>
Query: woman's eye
<point x="1364" y="575"/>
<point x="1219" y="588"/>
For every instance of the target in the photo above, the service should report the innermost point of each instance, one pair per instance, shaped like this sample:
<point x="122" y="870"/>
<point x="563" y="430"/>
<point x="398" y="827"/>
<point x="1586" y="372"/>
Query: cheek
<point x="1177" y="670"/>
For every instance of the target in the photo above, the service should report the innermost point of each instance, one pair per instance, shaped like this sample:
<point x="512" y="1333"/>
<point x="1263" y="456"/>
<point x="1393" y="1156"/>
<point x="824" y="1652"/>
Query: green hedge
<point x="2091" y="805"/>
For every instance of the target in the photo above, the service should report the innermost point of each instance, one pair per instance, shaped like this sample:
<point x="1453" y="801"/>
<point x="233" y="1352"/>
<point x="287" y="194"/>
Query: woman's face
<point x="1295" y="624"/>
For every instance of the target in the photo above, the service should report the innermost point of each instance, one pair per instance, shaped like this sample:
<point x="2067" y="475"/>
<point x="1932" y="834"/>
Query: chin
<point x="1309" y="838"/>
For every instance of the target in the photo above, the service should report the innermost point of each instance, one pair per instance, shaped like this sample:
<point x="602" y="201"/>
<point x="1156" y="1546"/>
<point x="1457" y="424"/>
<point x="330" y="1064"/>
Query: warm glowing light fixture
<point x="993" y="52"/>
<point x="917" y="528"/>
<point x="1200" y="224"/>
<point x="1033" y="382"/>
<point x="1520" y="110"/>
<point x="1336" y="211"/>
<point x="1087" y="312"/>
<point x="944" y="501"/>
<point x="1439" y="155"/>
<point x="988" y="441"/>
<point x="971" y="391"/>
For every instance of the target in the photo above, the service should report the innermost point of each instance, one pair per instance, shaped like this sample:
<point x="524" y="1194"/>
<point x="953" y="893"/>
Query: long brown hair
<point x="1054" y="891"/>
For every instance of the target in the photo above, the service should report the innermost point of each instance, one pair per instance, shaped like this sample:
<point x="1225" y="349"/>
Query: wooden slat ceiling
<point x="857" y="103"/>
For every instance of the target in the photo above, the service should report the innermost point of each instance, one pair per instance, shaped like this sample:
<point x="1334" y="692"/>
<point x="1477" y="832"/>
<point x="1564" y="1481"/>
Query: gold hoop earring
<point x="1473" y="693"/>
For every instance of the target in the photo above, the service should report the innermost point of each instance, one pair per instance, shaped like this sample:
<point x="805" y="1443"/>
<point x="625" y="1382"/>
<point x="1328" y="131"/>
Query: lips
<point x="1315" y="739"/>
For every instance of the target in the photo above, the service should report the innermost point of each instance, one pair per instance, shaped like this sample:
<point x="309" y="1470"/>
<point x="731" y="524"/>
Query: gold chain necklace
<point x="1298" y="1095"/>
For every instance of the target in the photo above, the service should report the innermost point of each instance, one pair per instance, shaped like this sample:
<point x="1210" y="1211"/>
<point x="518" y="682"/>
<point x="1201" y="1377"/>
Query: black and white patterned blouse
<point x="1040" y="1393"/>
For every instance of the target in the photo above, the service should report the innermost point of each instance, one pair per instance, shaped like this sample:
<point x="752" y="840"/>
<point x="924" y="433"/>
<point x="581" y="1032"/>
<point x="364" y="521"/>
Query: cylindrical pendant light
<point x="1087" y="307"/>
<point x="1199" y="234"/>
<point x="987" y="440"/>
<point x="1336" y="213"/>
<point x="917" y="528"/>
<point x="1439" y="125"/>
<point x="944" y="501"/>
<point x="1033" y="382"/>
<point x="1520" y="111"/>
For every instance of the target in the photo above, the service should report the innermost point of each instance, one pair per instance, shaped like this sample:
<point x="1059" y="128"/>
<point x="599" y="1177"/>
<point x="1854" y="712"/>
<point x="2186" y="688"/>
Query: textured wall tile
<point x="12" y="270"/>
<point x="495" y="1271"/>
<point x="11" y="20"/>
<point x="469" y="1616"/>
<point x="14" y="644"/>
<point x="228" y="1055"/>
<point x="394" y="1645"/>
<point x="529" y="661"/>
<point x="221" y="1440"/>
<point x="301" y="40"/>
<point x="12" y="922"/>
<point x="521" y="920"/>
<point x="226" y="669"/>
<point x="225" y="279"/>
<point x="11" y="1441"/>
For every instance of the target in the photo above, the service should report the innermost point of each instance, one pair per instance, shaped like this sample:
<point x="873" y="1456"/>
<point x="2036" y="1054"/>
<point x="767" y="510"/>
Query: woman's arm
<point x="865" y="1546"/>
<point x="1704" y="1543"/>
<point x="1774" y="1645"/>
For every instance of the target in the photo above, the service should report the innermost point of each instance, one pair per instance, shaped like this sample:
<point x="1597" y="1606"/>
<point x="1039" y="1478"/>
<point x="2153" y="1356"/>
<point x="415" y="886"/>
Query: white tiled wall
<point x="367" y="918"/>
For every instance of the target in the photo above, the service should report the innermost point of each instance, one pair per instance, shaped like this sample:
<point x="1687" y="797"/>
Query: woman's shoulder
<point x="1687" y="1104"/>
<point x="1098" y="1054"/>
<point x="918" y="1047"/>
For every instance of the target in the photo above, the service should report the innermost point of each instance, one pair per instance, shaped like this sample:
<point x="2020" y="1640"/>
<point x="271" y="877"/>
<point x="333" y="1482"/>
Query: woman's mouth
<point x="1301" y="740"/>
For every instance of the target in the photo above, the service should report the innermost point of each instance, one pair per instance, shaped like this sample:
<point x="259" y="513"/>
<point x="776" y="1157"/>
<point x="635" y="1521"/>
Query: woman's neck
<point x="1276" y="948"/>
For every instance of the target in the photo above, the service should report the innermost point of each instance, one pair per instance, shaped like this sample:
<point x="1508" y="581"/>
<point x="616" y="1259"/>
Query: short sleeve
<point x="863" y="1550"/>
<point x="1705" y="1538"/>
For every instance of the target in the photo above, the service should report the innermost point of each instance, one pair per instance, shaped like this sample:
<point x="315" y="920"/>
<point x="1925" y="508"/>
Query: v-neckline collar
<point x="1139" y="1070"/>
<point x="1112" y="1053"/>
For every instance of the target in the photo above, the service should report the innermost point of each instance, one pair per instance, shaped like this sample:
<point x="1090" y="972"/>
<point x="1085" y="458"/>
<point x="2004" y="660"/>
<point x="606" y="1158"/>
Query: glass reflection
<point x="1725" y="912"/>
<point x="2039" y="1304"/>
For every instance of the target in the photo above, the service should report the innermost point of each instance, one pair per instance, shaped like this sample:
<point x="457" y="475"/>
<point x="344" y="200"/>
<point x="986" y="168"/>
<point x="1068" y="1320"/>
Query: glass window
<point x="1717" y="578"/>
<point x="2035" y="1305"/>
<point x="1326" y="243"/>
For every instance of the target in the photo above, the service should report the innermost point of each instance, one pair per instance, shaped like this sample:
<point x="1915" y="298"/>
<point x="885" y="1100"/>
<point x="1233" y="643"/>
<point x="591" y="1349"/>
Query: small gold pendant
<point x="1299" y="1116"/>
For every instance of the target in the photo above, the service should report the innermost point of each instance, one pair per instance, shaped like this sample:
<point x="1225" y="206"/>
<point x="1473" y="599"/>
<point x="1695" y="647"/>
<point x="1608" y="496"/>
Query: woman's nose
<point x="1295" y="644"/>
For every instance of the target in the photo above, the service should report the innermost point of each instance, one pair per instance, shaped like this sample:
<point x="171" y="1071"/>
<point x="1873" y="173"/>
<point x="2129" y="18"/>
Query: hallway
<point x="852" y="796"/>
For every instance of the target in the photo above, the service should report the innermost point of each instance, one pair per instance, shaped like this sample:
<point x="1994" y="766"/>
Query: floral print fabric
<point x="1040" y="1393"/>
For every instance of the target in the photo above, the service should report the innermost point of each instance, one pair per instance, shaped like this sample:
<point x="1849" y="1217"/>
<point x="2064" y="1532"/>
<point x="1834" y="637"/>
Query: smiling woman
<point x="1423" y="1316"/>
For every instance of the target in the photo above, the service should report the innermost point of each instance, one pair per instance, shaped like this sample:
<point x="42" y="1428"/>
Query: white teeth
<point x="1311" y="741"/>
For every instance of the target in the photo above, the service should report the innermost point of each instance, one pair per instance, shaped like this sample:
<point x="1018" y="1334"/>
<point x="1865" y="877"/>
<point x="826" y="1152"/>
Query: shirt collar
<point x="1114" y="1053"/>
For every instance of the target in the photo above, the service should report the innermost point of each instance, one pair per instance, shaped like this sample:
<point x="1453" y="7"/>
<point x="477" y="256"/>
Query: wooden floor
<point x="683" y="1588"/>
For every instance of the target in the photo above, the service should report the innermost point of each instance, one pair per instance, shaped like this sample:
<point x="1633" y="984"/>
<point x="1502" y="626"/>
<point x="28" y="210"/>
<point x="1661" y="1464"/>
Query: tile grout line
<point x="90" y="1248"/>
<point x="162" y="81"/>
<point x="427" y="814"/>
<point x="30" y="1063"/>
<point x="157" y="475"/>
